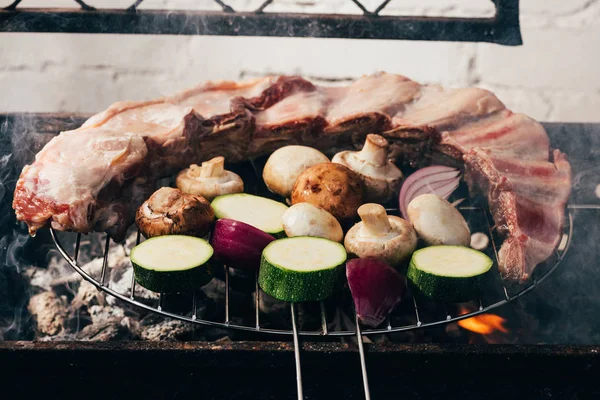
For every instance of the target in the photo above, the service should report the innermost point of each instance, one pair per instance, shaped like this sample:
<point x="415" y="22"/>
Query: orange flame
<point x="484" y="324"/>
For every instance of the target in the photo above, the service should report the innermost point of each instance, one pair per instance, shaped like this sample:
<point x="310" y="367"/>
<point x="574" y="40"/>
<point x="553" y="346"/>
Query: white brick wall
<point x="552" y="77"/>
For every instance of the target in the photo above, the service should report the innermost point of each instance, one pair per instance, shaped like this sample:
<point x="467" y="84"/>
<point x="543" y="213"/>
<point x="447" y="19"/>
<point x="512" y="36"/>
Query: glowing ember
<point x="484" y="324"/>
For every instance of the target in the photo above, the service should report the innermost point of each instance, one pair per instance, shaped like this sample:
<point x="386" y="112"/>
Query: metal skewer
<point x="257" y="301"/>
<point x="297" y="352"/>
<point x="77" y="244"/>
<point x="226" y="294"/>
<point x="363" y="364"/>
<point x="105" y="261"/>
<point x="323" y="319"/>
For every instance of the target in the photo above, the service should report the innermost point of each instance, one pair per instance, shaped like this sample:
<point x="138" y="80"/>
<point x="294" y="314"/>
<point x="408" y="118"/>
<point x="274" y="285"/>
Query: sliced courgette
<point x="172" y="263"/>
<point x="302" y="268"/>
<point x="260" y="212"/>
<point x="448" y="273"/>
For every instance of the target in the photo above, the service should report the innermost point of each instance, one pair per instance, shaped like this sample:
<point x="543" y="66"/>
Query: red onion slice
<point x="436" y="179"/>
<point x="376" y="289"/>
<point x="238" y="244"/>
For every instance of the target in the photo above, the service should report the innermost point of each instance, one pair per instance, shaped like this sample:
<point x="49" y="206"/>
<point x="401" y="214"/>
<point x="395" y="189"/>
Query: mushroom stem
<point x="375" y="150"/>
<point x="212" y="168"/>
<point x="375" y="219"/>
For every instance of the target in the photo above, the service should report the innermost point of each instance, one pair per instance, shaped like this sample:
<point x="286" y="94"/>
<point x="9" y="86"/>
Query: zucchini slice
<point x="260" y="212"/>
<point x="302" y="268"/>
<point x="172" y="263"/>
<point x="448" y="273"/>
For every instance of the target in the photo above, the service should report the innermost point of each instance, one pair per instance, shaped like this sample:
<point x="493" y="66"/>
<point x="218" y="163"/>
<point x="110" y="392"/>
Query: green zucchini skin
<point x="299" y="286"/>
<point x="173" y="281"/>
<point x="294" y="286"/>
<point x="451" y="290"/>
<point x="445" y="288"/>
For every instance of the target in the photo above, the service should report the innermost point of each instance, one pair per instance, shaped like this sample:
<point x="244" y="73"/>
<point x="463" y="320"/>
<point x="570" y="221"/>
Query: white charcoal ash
<point x="49" y="312"/>
<point x="165" y="329"/>
<point x="109" y="323"/>
<point x="87" y="296"/>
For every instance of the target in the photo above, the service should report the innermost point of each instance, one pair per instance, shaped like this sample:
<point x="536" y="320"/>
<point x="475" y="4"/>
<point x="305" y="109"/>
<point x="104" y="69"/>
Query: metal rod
<point x="363" y="9"/>
<point x="226" y="294"/>
<point x="363" y="364"/>
<point x="323" y="319"/>
<point x="194" y="305"/>
<point x="417" y="311"/>
<point x="381" y="7"/>
<point x="132" y="294"/>
<point x="77" y="244"/>
<point x="257" y="301"/>
<point x="583" y="206"/>
<point x="105" y="260"/>
<point x="491" y="231"/>
<point x="448" y="316"/>
<point x="297" y="352"/>
<point x="225" y="7"/>
<point x="263" y="6"/>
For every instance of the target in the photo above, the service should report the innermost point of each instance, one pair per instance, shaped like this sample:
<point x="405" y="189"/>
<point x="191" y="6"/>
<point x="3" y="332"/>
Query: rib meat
<point x="94" y="177"/>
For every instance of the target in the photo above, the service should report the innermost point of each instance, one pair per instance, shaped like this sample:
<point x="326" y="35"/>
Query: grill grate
<point x="505" y="294"/>
<point x="479" y="219"/>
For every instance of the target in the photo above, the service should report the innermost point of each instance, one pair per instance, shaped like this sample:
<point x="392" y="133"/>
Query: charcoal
<point x="109" y="323"/>
<point x="49" y="312"/>
<point x="156" y="328"/>
<point x="87" y="296"/>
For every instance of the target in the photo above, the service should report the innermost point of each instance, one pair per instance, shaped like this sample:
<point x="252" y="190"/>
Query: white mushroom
<point x="379" y="235"/>
<point x="437" y="222"/>
<point x="287" y="163"/>
<point x="380" y="176"/>
<point x="209" y="180"/>
<point x="304" y="219"/>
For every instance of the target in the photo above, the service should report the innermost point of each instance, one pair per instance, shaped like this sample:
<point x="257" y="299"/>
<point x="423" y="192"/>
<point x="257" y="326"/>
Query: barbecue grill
<point x="324" y="338"/>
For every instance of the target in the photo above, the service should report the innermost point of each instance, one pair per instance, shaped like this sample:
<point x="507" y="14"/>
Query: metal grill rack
<point x="479" y="220"/>
<point x="501" y="28"/>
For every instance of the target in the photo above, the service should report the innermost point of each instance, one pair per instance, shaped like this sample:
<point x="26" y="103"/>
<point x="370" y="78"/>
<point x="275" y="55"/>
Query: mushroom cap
<point x="287" y="163"/>
<point x="332" y="187"/>
<point x="437" y="221"/>
<point x="394" y="244"/>
<point x="209" y="187"/>
<point x="305" y="219"/>
<point x="381" y="177"/>
<point x="170" y="211"/>
<point x="209" y="180"/>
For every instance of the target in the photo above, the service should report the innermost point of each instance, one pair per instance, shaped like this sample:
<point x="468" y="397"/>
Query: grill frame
<point x="502" y="28"/>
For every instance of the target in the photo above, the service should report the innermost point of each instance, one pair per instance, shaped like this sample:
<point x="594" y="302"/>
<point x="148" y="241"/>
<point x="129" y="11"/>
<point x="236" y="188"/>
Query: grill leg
<point x="297" y="353"/>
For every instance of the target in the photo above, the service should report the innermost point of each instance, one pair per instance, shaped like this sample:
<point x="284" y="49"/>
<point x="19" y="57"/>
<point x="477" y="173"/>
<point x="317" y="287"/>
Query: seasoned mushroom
<point x="304" y="219"/>
<point x="381" y="177"/>
<point x="382" y="236"/>
<point x="285" y="165"/>
<point x="169" y="211"/>
<point x="210" y="180"/>
<point x="332" y="187"/>
<point x="437" y="222"/>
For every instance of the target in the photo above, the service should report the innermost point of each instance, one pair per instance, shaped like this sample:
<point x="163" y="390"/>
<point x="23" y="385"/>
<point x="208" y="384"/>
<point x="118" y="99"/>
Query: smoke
<point x="18" y="144"/>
